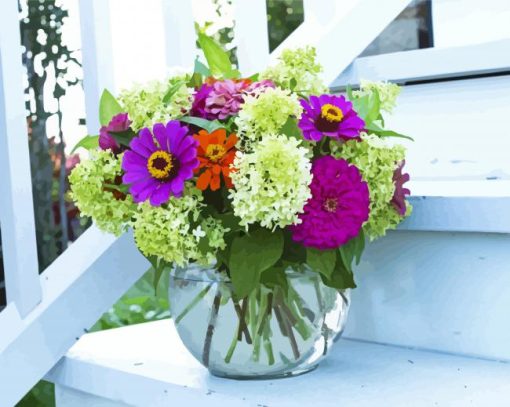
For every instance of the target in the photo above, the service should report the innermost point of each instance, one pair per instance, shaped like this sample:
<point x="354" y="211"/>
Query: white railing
<point x="46" y="314"/>
<point x="16" y="207"/>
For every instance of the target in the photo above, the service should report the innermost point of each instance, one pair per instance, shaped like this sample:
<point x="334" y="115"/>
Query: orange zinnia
<point x="215" y="152"/>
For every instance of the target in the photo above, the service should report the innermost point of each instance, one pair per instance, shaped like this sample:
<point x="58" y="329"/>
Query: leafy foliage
<point x="252" y="254"/>
<point x="108" y="107"/>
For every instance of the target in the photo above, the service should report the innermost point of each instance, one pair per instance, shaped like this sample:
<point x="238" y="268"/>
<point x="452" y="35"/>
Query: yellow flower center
<point x="330" y="204"/>
<point x="332" y="113"/>
<point x="215" y="152"/>
<point x="160" y="164"/>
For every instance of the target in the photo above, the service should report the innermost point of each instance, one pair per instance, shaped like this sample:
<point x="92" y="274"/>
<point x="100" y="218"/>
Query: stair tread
<point x="147" y="364"/>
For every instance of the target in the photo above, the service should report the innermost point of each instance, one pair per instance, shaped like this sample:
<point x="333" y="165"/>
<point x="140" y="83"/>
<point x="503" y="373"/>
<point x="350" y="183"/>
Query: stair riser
<point x="435" y="290"/>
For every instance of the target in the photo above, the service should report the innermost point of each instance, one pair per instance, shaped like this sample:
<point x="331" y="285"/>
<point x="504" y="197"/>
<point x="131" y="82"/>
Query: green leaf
<point x="88" y="142"/>
<point x="322" y="261"/>
<point x="158" y="266"/>
<point x="207" y="125"/>
<point x="123" y="137"/>
<point x="229" y="220"/>
<point x="275" y="277"/>
<point x="201" y="69"/>
<point x="254" y="77"/>
<point x="361" y="105"/>
<point x="291" y="129"/>
<point x="341" y="278"/>
<point x="217" y="58"/>
<point x="293" y="252"/>
<point x="250" y="255"/>
<point x="352" y="250"/>
<point x="108" y="107"/>
<point x="374" y="107"/>
<point x="376" y="129"/>
<point x="348" y="91"/>
<point x="293" y="84"/>
<point x="172" y="91"/>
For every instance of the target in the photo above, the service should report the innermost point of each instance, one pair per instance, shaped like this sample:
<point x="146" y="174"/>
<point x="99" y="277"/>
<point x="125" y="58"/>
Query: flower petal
<point x="161" y="195"/>
<point x="203" y="180"/>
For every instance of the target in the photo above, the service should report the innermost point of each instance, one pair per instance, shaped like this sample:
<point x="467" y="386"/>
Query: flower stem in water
<point x="210" y="328"/>
<point x="192" y="304"/>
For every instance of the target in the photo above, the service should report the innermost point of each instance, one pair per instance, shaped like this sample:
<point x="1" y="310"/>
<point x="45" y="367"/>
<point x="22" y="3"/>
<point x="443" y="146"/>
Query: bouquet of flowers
<point x="245" y="180"/>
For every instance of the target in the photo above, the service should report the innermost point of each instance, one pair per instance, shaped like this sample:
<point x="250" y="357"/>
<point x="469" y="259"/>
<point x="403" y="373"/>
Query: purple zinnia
<point x="158" y="170"/>
<point x="198" y="105"/>
<point x="338" y="207"/>
<point x="119" y="123"/>
<point x="225" y="98"/>
<point x="329" y="115"/>
<point x="399" y="196"/>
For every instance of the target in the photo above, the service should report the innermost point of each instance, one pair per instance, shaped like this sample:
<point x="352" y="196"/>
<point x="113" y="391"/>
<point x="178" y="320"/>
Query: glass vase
<point x="274" y="332"/>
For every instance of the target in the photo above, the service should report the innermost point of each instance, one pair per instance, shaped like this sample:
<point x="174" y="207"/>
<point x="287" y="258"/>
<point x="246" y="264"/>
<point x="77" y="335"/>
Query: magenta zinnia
<point x="158" y="168"/>
<point x="338" y="207"/>
<point x="399" y="197"/>
<point x="118" y="124"/>
<point x="331" y="116"/>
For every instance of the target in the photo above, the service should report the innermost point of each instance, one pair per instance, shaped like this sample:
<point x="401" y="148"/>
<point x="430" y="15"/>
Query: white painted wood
<point x="458" y="129"/>
<point x="459" y="206"/>
<point x="459" y="214"/>
<point x="441" y="291"/>
<point x="251" y="35"/>
<point x="97" y="57"/>
<point x="77" y="288"/>
<point x="147" y="365"/>
<point x="462" y="22"/>
<point x="66" y="397"/>
<point x="16" y="204"/>
<point x="180" y="33"/>
<point x="430" y="63"/>
<point x="341" y="30"/>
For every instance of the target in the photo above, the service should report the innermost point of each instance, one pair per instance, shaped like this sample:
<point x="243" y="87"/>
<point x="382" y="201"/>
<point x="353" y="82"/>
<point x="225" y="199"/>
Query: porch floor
<point x="147" y="365"/>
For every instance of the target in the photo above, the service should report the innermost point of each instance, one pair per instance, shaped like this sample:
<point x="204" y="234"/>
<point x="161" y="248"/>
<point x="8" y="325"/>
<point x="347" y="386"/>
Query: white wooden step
<point x="147" y="365"/>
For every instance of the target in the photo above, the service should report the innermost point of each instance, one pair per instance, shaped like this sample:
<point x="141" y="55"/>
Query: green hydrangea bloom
<point x="144" y="102"/>
<point x="87" y="190"/>
<point x="297" y="70"/>
<point x="376" y="161"/>
<point x="175" y="233"/>
<point x="271" y="182"/>
<point x="266" y="113"/>
<point x="388" y="93"/>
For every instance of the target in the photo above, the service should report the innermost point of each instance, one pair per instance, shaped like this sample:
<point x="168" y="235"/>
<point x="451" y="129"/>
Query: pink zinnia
<point x="225" y="98"/>
<point x="338" y="207"/>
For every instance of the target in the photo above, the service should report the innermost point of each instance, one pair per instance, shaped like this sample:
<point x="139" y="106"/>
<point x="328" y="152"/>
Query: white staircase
<point x="434" y="292"/>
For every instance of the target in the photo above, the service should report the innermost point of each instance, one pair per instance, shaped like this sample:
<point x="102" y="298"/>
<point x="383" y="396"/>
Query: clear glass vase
<point x="274" y="332"/>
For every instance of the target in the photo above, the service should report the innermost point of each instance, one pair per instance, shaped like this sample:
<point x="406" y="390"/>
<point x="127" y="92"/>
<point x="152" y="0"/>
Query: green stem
<point x="192" y="304"/>
<point x="290" y="333"/>
<point x="259" y="325"/>
<point x="324" y="327"/>
<point x="210" y="328"/>
<point x="267" y="340"/>
<point x="242" y="328"/>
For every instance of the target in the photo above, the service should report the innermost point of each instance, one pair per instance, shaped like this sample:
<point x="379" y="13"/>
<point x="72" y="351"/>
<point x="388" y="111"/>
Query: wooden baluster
<point x="16" y="203"/>
<point x="97" y="57"/>
<point x="251" y="35"/>
<point x="179" y="33"/>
